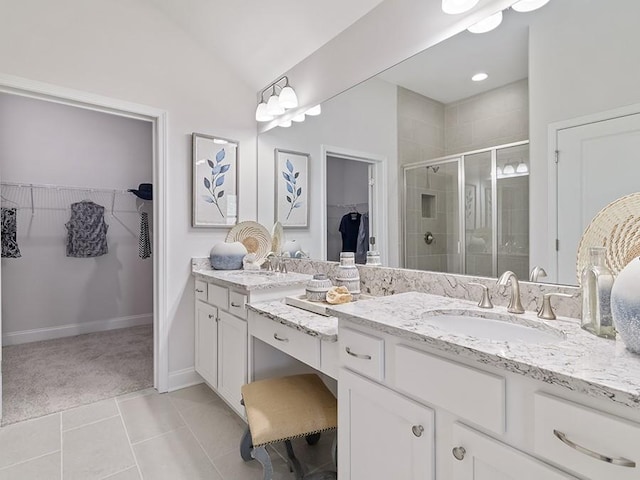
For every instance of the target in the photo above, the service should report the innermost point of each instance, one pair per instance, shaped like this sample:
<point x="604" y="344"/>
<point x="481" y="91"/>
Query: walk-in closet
<point x="76" y="270"/>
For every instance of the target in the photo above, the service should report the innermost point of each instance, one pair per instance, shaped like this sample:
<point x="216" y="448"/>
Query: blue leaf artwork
<point x="290" y="178"/>
<point x="215" y="180"/>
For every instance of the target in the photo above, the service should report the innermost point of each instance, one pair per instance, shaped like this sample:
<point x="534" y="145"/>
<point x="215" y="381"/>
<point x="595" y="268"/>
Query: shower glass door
<point x="432" y="217"/>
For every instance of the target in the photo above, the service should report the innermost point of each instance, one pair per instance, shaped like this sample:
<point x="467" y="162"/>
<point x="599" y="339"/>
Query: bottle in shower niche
<point x="596" y="281"/>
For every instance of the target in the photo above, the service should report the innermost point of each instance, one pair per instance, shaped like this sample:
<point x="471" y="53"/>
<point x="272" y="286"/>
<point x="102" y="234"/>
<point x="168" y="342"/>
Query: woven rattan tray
<point x="617" y="228"/>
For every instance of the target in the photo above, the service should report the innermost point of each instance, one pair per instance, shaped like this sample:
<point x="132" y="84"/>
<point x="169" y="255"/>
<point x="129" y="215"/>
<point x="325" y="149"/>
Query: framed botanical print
<point x="215" y="181"/>
<point x="292" y="188"/>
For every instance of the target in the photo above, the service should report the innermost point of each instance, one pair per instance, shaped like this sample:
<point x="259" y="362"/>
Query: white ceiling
<point x="443" y="72"/>
<point x="260" y="40"/>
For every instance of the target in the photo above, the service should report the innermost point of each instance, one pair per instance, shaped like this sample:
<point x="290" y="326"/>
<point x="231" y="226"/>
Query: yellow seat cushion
<point x="288" y="407"/>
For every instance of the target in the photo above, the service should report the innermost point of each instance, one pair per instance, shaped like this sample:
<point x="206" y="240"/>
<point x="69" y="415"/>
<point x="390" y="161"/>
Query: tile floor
<point x="188" y="434"/>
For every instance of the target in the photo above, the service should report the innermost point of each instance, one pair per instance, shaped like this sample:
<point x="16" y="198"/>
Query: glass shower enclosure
<point x="469" y="213"/>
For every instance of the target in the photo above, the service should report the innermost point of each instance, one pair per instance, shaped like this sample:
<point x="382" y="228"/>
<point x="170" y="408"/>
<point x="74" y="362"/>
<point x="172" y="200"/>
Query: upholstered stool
<point x="280" y="409"/>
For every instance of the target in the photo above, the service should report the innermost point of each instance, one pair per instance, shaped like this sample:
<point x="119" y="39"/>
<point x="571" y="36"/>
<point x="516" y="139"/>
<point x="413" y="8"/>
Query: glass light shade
<point x="273" y="106"/>
<point x="508" y="169"/>
<point x="285" y="124"/>
<point x="288" y="98"/>
<point x="522" y="168"/>
<point x="299" y="118"/>
<point x="261" y="113"/>
<point x="479" y="77"/>
<point x="313" y="111"/>
<point x="454" y="7"/>
<point x="528" y="5"/>
<point x="498" y="171"/>
<point x="486" y="25"/>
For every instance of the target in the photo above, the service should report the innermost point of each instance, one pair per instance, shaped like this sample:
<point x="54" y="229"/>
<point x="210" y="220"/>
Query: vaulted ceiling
<point x="260" y="40"/>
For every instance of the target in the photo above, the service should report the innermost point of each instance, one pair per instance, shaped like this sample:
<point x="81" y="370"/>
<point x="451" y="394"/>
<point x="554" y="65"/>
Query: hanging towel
<point x="86" y="230"/>
<point x="144" y="243"/>
<point x="363" y="239"/>
<point x="10" y="247"/>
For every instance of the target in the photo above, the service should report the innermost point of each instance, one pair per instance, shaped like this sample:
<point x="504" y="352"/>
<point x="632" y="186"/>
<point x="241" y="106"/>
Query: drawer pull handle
<point x="357" y="355"/>
<point x="199" y="291"/>
<point x="275" y="335"/>
<point x="623" y="462"/>
<point x="459" y="453"/>
<point x="417" y="430"/>
<point x="237" y="305"/>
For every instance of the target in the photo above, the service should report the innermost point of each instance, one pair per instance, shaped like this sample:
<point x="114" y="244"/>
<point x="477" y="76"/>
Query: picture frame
<point x="470" y="206"/>
<point x="215" y="181"/>
<point x="292" y="188"/>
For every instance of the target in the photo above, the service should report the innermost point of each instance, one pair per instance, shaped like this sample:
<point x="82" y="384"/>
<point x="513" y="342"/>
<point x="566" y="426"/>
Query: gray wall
<point x="48" y="143"/>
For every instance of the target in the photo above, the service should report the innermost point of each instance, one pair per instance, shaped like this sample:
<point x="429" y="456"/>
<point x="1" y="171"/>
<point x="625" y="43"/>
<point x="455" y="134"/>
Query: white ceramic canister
<point x="373" y="258"/>
<point x="625" y="305"/>
<point x="227" y="256"/>
<point x="318" y="287"/>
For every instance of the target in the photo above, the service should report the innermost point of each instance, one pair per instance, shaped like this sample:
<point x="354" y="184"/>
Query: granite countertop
<point x="578" y="360"/>
<point x="246" y="279"/>
<point x="326" y="328"/>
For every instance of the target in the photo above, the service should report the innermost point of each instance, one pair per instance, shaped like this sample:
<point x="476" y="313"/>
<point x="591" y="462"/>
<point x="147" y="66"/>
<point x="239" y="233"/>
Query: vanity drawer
<point x="585" y="434"/>
<point x="218" y="296"/>
<point x="292" y="342"/>
<point x="474" y="395"/>
<point x="362" y="353"/>
<point x="237" y="304"/>
<point x="201" y="290"/>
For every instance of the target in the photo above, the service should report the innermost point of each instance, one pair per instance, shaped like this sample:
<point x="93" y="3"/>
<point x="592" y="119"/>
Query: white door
<point x="476" y="456"/>
<point x="232" y="358"/>
<point x="206" y="359"/>
<point x="597" y="164"/>
<point x="382" y="435"/>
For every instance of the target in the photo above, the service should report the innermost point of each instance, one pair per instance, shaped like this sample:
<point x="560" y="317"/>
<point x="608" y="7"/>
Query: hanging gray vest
<point x="86" y="230"/>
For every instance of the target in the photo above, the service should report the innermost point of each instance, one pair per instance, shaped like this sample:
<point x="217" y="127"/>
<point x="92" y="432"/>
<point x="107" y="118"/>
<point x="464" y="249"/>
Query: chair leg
<point x="313" y="438"/>
<point x="261" y="455"/>
<point x="246" y="445"/>
<point x="293" y="461"/>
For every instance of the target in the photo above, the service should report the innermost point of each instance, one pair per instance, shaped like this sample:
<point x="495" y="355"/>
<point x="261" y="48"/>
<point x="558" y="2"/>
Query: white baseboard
<point x="184" y="378"/>
<point x="37" y="334"/>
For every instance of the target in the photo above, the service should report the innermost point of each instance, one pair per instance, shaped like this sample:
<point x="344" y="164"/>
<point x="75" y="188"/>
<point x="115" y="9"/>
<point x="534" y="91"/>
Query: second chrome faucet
<point x="515" y="305"/>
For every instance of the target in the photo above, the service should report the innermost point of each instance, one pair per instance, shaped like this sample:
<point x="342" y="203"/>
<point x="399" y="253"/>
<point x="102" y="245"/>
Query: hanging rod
<point x="63" y="187"/>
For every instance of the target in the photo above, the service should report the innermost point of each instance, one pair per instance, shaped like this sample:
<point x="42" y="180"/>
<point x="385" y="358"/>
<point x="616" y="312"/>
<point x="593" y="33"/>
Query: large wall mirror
<point x="461" y="176"/>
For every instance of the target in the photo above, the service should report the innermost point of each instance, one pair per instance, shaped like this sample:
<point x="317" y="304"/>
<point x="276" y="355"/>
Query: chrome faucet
<point x="515" y="305"/>
<point x="537" y="272"/>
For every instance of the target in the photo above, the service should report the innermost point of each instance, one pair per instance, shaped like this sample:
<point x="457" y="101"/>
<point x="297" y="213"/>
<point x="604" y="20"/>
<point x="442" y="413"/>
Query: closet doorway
<point x="124" y="310"/>
<point x="352" y="200"/>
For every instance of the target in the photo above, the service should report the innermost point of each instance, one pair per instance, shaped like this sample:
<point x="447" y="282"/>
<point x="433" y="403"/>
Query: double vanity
<point x="432" y="387"/>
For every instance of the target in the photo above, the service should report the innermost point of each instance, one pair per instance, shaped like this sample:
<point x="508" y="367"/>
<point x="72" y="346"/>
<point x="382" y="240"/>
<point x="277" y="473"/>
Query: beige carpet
<point x="54" y="375"/>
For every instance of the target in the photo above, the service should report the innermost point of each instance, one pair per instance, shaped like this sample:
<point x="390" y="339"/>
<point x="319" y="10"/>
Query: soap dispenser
<point x="596" y="281"/>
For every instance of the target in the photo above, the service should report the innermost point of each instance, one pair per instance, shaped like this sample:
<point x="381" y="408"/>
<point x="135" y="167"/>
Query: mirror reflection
<point x="467" y="174"/>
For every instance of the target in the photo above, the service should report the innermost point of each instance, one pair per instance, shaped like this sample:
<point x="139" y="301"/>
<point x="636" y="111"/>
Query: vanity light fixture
<point x="522" y="168"/>
<point x="299" y="118"/>
<point x="454" y="7"/>
<point x="282" y="97"/>
<point x="479" y="77"/>
<point x="314" y="111"/>
<point x="488" y="24"/>
<point x="285" y="124"/>
<point x="508" y="169"/>
<point x="528" y="5"/>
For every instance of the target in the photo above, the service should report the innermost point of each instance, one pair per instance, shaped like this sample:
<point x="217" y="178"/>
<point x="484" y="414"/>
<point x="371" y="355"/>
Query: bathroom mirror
<point x="560" y="78"/>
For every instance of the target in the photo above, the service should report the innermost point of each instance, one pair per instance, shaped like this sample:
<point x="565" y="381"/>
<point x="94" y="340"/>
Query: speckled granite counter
<point x="579" y="361"/>
<point x="247" y="280"/>
<point x="326" y="328"/>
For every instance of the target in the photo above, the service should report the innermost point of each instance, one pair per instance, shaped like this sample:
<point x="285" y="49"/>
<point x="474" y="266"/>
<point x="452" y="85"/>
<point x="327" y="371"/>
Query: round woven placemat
<point x="617" y="228"/>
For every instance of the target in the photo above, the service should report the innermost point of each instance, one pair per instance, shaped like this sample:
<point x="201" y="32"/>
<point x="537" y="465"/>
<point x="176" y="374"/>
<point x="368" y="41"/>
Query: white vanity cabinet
<point x="490" y="424"/>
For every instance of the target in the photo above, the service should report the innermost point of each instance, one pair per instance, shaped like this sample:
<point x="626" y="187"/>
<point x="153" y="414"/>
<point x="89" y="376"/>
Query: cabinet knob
<point x="459" y="453"/>
<point x="417" y="430"/>
<point x="199" y="290"/>
<point x="211" y="316"/>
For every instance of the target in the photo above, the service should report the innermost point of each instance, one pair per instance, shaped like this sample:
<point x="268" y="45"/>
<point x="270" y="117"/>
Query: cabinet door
<point x="206" y="336"/>
<point x="479" y="457"/>
<point x="232" y="358"/>
<point x="381" y="434"/>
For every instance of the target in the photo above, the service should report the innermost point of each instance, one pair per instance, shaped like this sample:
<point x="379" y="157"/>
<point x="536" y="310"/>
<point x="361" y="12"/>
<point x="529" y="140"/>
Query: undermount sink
<point x="490" y="326"/>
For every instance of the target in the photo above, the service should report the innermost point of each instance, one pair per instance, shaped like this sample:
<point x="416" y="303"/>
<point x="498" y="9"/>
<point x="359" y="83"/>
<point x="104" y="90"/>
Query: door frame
<point x="380" y="223"/>
<point x="158" y="118"/>
<point x="552" y="178"/>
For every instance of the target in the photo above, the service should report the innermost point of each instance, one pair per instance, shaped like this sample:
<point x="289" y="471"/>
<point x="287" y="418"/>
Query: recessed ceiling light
<point x="486" y="25"/>
<point x="454" y="7"/>
<point x="528" y="5"/>
<point x="478" y="77"/>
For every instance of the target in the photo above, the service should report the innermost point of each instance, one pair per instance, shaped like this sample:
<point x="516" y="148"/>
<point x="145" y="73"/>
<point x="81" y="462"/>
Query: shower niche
<point x="474" y="206"/>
